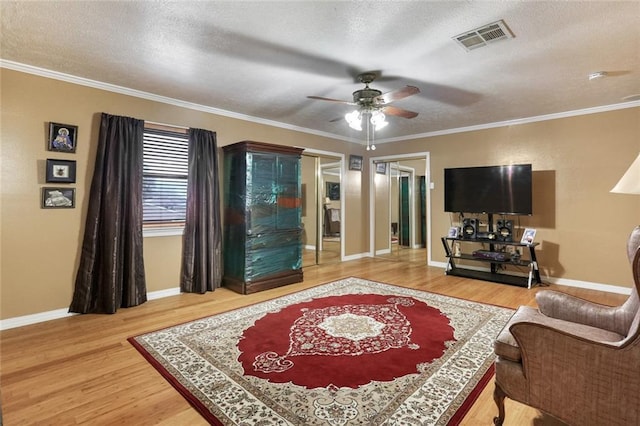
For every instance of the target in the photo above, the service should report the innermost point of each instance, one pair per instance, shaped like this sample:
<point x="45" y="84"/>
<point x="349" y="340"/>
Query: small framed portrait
<point x="355" y="162"/>
<point x="333" y="191"/>
<point x="528" y="236"/>
<point x="58" y="198"/>
<point x="62" y="137"/>
<point x="453" y="232"/>
<point x="381" y="168"/>
<point x="61" y="171"/>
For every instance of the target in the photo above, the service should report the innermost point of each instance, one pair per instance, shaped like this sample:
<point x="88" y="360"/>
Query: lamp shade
<point x="630" y="181"/>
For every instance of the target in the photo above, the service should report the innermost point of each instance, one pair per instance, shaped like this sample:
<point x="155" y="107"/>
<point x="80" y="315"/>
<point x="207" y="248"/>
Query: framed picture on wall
<point x="333" y="191"/>
<point x="63" y="171"/>
<point x="355" y="162"/>
<point x="62" y="137"/>
<point x="58" y="198"/>
<point x="381" y="168"/>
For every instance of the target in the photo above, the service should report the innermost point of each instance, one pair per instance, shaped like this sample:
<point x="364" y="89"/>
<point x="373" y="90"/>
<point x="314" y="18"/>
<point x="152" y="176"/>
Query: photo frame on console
<point x="453" y="232"/>
<point x="528" y="236"/>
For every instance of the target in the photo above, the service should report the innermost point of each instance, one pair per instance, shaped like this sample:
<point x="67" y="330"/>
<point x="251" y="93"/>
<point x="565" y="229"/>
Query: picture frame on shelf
<point x="355" y="162"/>
<point x="528" y="236"/>
<point x="60" y="171"/>
<point x="58" y="198"/>
<point x="454" y="232"/>
<point x="62" y="137"/>
<point x="381" y="168"/>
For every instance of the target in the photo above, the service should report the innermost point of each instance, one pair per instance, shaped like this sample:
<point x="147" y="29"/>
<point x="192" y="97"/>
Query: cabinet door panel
<point x="289" y="207"/>
<point x="261" y="192"/>
<point x="269" y="254"/>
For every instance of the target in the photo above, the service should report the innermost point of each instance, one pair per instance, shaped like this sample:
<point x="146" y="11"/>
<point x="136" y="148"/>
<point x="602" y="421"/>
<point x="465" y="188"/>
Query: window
<point x="164" y="176"/>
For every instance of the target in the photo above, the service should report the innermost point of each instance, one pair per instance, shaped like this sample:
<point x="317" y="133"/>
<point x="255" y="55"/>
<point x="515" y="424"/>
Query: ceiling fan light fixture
<point x="378" y="120"/>
<point x="354" y="119"/>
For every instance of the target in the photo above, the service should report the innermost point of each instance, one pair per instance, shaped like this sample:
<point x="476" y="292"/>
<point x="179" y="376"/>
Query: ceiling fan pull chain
<point x="373" y="139"/>
<point x="368" y="135"/>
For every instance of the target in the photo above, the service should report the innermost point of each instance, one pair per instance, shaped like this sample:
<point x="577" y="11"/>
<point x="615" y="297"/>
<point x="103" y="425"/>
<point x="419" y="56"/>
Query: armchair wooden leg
<point x="498" y="397"/>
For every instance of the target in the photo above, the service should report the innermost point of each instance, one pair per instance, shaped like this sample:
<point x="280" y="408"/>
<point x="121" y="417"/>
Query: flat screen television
<point x="489" y="189"/>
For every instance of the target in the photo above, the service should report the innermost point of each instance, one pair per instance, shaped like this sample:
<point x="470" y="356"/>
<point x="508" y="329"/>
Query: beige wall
<point x="576" y="161"/>
<point x="40" y="248"/>
<point x="583" y="227"/>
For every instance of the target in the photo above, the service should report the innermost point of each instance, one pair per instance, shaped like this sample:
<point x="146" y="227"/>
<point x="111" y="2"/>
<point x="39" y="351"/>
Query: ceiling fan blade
<point x="320" y="98"/>
<point x="336" y="119"/>
<point x="397" y="94"/>
<point x="399" y="112"/>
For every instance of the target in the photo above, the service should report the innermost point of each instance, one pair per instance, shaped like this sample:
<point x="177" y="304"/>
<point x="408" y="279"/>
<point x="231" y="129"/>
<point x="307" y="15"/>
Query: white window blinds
<point x="164" y="181"/>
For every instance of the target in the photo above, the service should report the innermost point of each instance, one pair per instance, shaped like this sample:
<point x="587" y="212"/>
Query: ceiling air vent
<point x="484" y="35"/>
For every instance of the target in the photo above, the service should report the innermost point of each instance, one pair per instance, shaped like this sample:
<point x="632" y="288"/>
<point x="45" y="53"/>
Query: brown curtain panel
<point x="111" y="271"/>
<point x="202" y="243"/>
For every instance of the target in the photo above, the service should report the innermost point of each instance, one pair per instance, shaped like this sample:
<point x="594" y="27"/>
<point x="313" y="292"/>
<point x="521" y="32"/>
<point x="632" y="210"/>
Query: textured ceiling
<point x="262" y="59"/>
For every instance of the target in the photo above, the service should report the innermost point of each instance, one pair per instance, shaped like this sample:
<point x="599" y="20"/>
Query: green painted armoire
<point x="262" y="219"/>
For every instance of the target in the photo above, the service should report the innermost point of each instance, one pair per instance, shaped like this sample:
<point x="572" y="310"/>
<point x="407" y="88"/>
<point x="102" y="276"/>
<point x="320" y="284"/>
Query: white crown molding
<point x="547" y="117"/>
<point x="29" y="69"/>
<point x="42" y="72"/>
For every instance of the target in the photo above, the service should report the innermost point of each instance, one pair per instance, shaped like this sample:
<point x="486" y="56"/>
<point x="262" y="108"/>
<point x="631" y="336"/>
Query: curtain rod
<point x="163" y="126"/>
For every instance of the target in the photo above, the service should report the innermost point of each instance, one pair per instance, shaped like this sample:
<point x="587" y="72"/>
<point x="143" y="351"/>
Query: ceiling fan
<point x="373" y="102"/>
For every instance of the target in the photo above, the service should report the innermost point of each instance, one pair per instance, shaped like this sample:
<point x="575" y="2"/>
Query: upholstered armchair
<point x="573" y="359"/>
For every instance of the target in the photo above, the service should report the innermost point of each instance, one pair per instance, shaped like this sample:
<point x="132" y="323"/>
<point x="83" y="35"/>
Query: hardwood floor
<point x="82" y="370"/>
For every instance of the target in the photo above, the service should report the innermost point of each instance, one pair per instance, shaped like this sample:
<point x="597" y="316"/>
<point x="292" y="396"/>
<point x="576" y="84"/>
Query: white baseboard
<point x="63" y="313"/>
<point x="34" y="318"/>
<point x="159" y="294"/>
<point x="590" y="286"/>
<point x="356" y="256"/>
<point x="561" y="281"/>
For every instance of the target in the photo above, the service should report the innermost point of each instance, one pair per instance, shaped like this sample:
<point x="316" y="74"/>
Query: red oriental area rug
<point x="351" y="352"/>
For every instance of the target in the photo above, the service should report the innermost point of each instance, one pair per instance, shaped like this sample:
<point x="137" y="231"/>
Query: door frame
<point x="318" y="199"/>
<point x="372" y="200"/>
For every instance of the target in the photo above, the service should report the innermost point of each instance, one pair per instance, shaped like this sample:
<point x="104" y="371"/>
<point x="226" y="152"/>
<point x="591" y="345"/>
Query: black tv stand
<point x="496" y="264"/>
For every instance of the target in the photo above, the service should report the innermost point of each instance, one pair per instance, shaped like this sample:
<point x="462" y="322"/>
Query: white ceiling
<point x="261" y="59"/>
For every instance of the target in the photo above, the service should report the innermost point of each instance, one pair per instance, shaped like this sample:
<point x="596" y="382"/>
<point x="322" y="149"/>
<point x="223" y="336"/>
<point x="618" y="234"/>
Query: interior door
<point x="399" y="210"/>
<point x="321" y="177"/>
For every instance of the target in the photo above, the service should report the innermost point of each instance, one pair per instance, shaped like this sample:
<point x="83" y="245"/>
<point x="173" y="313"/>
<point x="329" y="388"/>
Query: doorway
<point x="399" y="208"/>
<point x="322" y="207"/>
